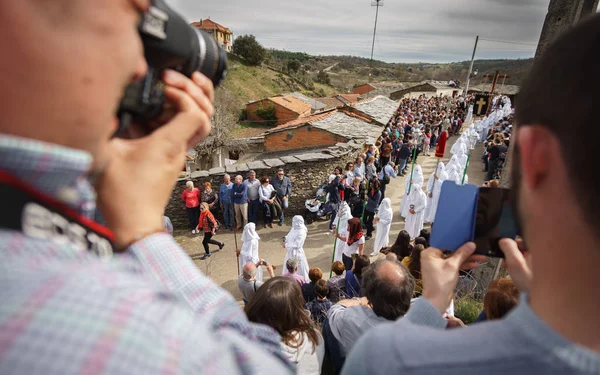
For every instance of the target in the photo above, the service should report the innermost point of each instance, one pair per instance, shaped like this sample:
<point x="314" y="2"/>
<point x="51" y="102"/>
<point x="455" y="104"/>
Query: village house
<point x="221" y="34"/>
<point x="285" y="108"/>
<point x="320" y="130"/>
<point x="347" y="99"/>
<point x="363" y="89"/>
<point x="331" y="102"/>
<point x="427" y="88"/>
<point x="316" y="106"/>
<point x="378" y="110"/>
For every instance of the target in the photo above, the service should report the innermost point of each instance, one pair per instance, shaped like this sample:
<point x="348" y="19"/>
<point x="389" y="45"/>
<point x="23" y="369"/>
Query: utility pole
<point x="471" y="67"/>
<point x="377" y="4"/>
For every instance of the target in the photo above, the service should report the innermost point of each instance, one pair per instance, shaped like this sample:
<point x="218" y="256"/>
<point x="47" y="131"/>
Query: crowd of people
<point x="90" y="282"/>
<point x="366" y="290"/>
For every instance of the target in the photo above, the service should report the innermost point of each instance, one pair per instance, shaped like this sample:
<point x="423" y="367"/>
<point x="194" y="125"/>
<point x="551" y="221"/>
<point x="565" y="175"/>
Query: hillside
<point x="249" y="83"/>
<point x="347" y="71"/>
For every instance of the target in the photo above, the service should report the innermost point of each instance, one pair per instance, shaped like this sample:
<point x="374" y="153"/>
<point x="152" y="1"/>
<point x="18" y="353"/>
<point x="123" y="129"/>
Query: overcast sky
<point x="407" y="30"/>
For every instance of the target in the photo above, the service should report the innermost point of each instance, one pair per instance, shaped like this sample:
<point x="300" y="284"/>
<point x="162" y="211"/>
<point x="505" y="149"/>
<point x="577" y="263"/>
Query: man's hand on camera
<point x="154" y="161"/>
<point x="440" y="272"/>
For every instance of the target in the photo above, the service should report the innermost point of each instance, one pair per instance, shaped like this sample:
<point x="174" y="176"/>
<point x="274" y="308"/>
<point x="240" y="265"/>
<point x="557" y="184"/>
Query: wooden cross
<point x="480" y="104"/>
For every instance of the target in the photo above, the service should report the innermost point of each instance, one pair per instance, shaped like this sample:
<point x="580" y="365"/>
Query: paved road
<point x="222" y="266"/>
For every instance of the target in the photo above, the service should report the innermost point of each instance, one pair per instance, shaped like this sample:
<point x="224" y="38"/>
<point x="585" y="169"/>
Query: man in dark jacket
<point x="334" y="189"/>
<point x="403" y="156"/>
<point x="283" y="188"/>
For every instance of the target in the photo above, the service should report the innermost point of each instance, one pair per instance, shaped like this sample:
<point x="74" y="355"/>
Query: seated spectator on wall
<point x="337" y="283"/>
<point x="278" y="303"/>
<point x="320" y="305"/>
<point x="308" y="289"/>
<point x="354" y="276"/>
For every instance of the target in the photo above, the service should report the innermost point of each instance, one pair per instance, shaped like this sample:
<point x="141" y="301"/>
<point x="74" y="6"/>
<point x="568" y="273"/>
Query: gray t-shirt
<point x="349" y="323"/>
<point x="521" y="343"/>
<point x="248" y="287"/>
<point x="252" y="189"/>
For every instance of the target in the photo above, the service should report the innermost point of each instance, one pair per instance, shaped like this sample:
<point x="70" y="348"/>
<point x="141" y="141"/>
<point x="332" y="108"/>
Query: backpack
<point x="386" y="178"/>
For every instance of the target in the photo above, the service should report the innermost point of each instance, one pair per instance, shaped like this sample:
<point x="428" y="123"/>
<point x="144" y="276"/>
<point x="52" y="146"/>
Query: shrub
<point x="323" y="77"/>
<point x="467" y="309"/>
<point x="266" y="113"/>
<point x="249" y="49"/>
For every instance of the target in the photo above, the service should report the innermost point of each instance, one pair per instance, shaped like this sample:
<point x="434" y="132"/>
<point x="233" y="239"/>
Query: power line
<point x="508" y="42"/>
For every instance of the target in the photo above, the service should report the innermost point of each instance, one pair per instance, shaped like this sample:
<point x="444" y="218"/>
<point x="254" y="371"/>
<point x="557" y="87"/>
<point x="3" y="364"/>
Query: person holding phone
<point x="554" y="329"/>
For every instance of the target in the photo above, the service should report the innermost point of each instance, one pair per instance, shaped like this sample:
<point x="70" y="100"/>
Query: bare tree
<point x="224" y="123"/>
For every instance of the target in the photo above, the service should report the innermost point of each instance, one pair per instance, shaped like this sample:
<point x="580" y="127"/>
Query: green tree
<point x="249" y="49"/>
<point x="323" y="77"/>
<point x="293" y="66"/>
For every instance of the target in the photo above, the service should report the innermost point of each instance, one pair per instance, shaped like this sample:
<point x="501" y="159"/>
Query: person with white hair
<point x="191" y="197"/>
<point x="345" y="214"/>
<point x="248" y="284"/>
<point x="249" y="251"/>
<point x="417" y="179"/>
<point x="416" y="205"/>
<point x="434" y="188"/>
<point x="384" y="223"/>
<point x="294" y="244"/>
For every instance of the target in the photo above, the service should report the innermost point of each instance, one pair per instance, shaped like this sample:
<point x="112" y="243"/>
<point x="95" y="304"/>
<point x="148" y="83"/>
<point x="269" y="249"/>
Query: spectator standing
<point x="294" y="244"/>
<point x="349" y="172"/>
<point x="337" y="283"/>
<point x="291" y="271"/>
<point x="386" y="152"/>
<point x="386" y="173"/>
<point x="333" y="189"/>
<point x="267" y="197"/>
<point x="209" y="226"/>
<point x="247" y="282"/>
<point x="426" y="143"/>
<point x="240" y="202"/>
<point x="384" y="223"/>
<point x="308" y="289"/>
<point x="371" y="170"/>
<point x="320" y="305"/>
<point x="252" y="185"/>
<point x="209" y="196"/>
<point x="191" y="197"/>
<point x="403" y="156"/>
<point x="354" y="276"/>
<point x="355" y="242"/>
<point x="283" y="187"/>
<point x="373" y="199"/>
<point x="225" y="199"/>
<point x="278" y="304"/>
<point x="359" y="168"/>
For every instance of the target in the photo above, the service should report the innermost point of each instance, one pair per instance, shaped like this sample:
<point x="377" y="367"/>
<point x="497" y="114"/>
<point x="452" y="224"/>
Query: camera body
<point x="169" y="43"/>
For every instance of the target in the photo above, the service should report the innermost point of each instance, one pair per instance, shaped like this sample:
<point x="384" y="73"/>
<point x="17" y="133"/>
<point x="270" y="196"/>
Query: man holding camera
<point x="77" y="296"/>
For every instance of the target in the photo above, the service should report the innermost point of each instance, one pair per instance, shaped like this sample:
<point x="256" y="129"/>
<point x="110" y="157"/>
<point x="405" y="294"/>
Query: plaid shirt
<point x="146" y="311"/>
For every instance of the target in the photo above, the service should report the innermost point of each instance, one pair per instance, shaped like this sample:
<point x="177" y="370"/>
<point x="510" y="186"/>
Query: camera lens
<point x="211" y="60"/>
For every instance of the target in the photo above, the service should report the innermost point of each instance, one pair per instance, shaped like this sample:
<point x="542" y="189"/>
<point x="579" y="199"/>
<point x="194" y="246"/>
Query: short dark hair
<point x="563" y="82"/>
<point x="360" y="264"/>
<point x="321" y="288"/>
<point x="264" y="179"/>
<point x="389" y="298"/>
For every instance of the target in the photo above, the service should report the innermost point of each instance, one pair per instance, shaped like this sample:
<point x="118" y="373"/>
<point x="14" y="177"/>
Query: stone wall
<point x="307" y="172"/>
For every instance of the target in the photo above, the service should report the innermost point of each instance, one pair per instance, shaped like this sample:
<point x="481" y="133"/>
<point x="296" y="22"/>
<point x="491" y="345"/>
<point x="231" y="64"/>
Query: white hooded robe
<point x="417" y="179"/>
<point x="417" y="200"/>
<point x="344" y="214"/>
<point x="434" y="187"/>
<point x="294" y="244"/>
<point x="382" y="235"/>
<point x="249" y="252"/>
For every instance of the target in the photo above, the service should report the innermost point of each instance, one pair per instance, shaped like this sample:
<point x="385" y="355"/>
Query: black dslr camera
<point x="169" y="43"/>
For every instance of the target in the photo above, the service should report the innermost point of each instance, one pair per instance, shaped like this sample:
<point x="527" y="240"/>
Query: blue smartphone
<point x="468" y="213"/>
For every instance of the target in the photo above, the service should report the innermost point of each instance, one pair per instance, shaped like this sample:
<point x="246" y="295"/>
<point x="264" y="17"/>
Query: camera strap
<point x="39" y="216"/>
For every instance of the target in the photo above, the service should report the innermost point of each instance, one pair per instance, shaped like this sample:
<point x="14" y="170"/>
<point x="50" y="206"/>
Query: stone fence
<point x="307" y="172"/>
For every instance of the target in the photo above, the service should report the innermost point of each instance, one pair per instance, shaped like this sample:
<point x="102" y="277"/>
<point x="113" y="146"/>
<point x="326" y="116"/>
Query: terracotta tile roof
<point x="349" y="98"/>
<point x="291" y="103"/>
<point x="301" y="121"/>
<point x="331" y="102"/>
<point x="210" y="25"/>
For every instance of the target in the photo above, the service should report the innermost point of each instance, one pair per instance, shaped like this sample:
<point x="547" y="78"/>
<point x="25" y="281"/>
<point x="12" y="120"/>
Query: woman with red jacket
<point x="209" y="225"/>
<point x="191" y="197"/>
